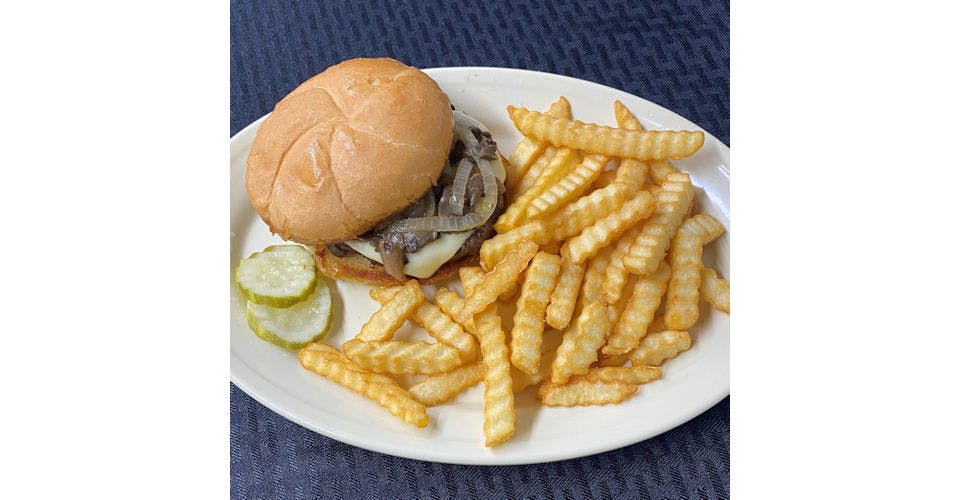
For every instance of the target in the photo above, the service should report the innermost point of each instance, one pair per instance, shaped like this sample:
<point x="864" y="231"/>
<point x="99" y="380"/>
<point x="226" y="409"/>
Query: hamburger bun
<point x="348" y="148"/>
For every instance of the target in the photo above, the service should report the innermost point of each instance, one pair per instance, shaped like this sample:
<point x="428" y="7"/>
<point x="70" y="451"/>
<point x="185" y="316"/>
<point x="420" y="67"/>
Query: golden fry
<point x="615" y="275"/>
<point x="630" y="171"/>
<point x="497" y="280"/>
<point x="603" y="180"/>
<point x="609" y="141"/>
<point x="583" y="392"/>
<point x="638" y="315"/>
<point x="437" y="324"/>
<point x="563" y="162"/>
<point x="399" y="358"/>
<point x="529" y="149"/>
<point x="493" y="250"/>
<point x="626" y="374"/>
<point x="527" y="334"/>
<point x="564" y="296"/>
<point x="715" y="290"/>
<point x="499" y="416"/>
<point x="606" y="229"/>
<point x="385" y="322"/>
<point x="451" y="303"/>
<point x="591" y="291"/>
<point x="682" y="303"/>
<point x="580" y="344"/>
<point x="660" y="171"/>
<point x="705" y="226"/>
<point x="439" y="388"/>
<point x="332" y="365"/>
<point x="585" y="211"/>
<point x="658" y="347"/>
<point x="562" y="190"/>
<point x="650" y="246"/>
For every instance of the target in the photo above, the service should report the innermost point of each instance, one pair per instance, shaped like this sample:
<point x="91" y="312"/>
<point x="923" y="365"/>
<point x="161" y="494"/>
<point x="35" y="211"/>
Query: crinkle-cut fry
<point x="580" y="344"/>
<point x="451" y="302"/>
<point x="657" y="325"/>
<point x="658" y="347"/>
<point x="672" y="202"/>
<point x="630" y="171"/>
<point x="563" y="299"/>
<point x="583" y="212"/>
<point x="682" y="303"/>
<point x="494" y="249"/>
<point x="603" y="231"/>
<point x="641" y="306"/>
<point x="436" y="322"/>
<point x="564" y="161"/>
<point x="523" y="380"/>
<point x="582" y="392"/>
<point x="615" y="310"/>
<point x="609" y="141"/>
<point x="398" y="358"/>
<point x="570" y="186"/>
<point x="529" y="149"/>
<point x="511" y="292"/>
<point x="339" y="369"/>
<point x="660" y="170"/>
<point x="591" y="291"/>
<point x="499" y="416"/>
<point x="392" y="314"/>
<point x="615" y="275"/>
<point x="715" y="290"/>
<point x="705" y="226"/>
<point x="528" y="322"/>
<point x="627" y="374"/>
<point x="603" y="180"/>
<point x="439" y="388"/>
<point x="611" y="360"/>
<point x="496" y="281"/>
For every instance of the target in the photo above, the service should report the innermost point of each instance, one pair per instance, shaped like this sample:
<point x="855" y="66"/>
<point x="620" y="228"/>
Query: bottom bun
<point x="356" y="267"/>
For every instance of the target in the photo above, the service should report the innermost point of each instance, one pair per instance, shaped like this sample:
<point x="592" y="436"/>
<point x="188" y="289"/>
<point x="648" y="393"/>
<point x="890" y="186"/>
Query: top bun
<point x="348" y="148"/>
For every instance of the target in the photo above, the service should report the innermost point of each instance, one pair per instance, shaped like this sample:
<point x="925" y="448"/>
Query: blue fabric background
<point x="673" y="53"/>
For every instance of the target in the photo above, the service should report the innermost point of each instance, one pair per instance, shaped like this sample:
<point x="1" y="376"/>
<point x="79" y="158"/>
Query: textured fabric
<point x="671" y="53"/>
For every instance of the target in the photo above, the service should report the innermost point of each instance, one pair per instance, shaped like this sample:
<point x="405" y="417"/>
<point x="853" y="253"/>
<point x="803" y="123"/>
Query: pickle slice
<point x="295" y="326"/>
<point x="280" y="276"/>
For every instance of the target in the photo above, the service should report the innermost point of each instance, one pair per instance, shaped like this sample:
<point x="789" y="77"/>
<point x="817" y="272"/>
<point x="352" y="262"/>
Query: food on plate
<point x="641" y="306"/>
<point x="594" y="254"/>
<point x="672" y="203"/>
<point x="436" y="323"/>
<point x="609" y="141"/>
<point x="399" y="357"/>
<point x="495" y="282"/>
<point x="715" y="290"/>
<point x="295" y="326"/>
<point x="526" y="336"/>
<point x="580" y="344"/>
<point x="368" y="163"/>
<point x="584" y="392"/>
<point x="327" y="362"/>
<point x="658" y="347"/>
<point x="393" y="313"/>
<point x="436" y="389"/>
<point x="279" y="276"/>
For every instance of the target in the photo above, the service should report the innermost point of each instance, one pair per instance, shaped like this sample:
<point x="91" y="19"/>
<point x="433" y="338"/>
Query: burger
<point x="370" y="165"/>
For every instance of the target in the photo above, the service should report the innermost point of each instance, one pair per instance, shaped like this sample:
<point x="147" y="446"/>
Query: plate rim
<point x="241" y="374"/>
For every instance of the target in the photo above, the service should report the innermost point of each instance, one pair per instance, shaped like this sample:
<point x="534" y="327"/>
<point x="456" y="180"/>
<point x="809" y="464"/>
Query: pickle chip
<point x="280" y="276"/>
<point x="295" y="326"/>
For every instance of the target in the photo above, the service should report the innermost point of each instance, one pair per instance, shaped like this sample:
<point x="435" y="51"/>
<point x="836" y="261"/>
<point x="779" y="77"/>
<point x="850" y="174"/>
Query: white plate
<point x="691" y="383"/>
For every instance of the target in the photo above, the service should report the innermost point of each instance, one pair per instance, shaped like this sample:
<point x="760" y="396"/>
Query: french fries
<point x="591" y="290"/>
<point x="451" y="303"/>
<point x="392" y="314"/>
<point x="437" y="324"/>
<point x="650" y="246"/>
<point x="641" y="306"/>
<point x="527" y="334"/>
<point x="615" y="275"/>
<point x="529" y="149"/>
<point x="388" y="395"/>
<point x="609" y="141"/>
<point x="562" y="163"/>
<point x="681" y="306"/>
<point x="569" y="187"/>
<point x="439" y="388"/>
<point x="605" y="230"/>
<point x="499" y="416"/>
<point x="626" y="374"/>
<point x="611" y="360"/>
<point x="580" y="344"/>
<point x="658" y="347"/>
<point x="583" y="392"/>
<point x="705" y="226"/>
<point x="660" y="171"/>
<point x="497" y="280"/>
<point x="398" y="358"/>
<point x="631" y="171"/>
<point x="715" y="290"/>
<point x="564" y="296"/>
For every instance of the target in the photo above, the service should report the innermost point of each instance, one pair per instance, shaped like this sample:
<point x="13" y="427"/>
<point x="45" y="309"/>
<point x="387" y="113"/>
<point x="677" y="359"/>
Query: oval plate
<point x="691" y="383"/>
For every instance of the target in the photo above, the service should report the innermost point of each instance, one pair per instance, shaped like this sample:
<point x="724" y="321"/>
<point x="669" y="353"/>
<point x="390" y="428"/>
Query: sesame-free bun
<point x="347" y="148"/>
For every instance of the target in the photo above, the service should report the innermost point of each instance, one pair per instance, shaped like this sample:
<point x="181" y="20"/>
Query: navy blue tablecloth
<point x="673" y="53"/>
